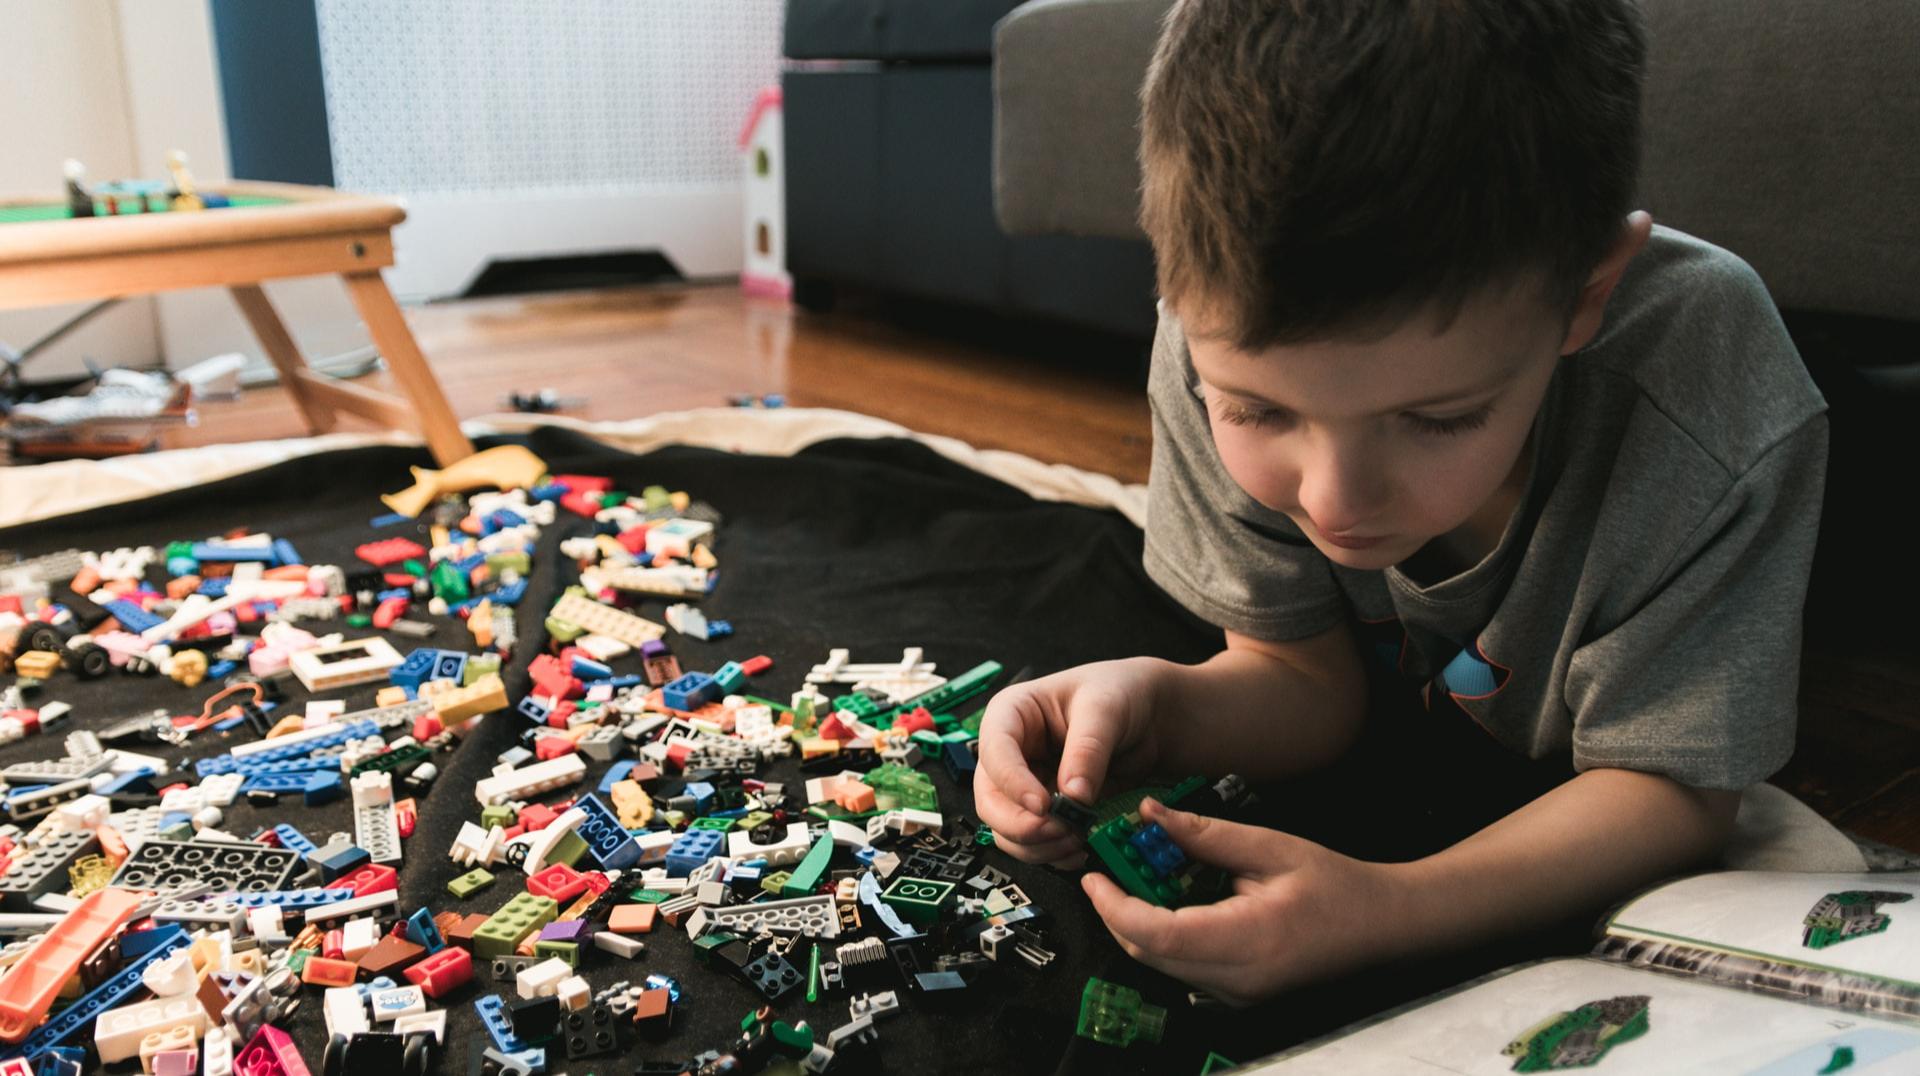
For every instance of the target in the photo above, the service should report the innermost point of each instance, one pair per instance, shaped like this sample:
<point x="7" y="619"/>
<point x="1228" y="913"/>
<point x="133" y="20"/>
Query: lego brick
<point x="375" y="830"/>
<point x="345" y="909"/>
<point x="600" y="619"/>
<point x="508" y="927"/>
<point x="788" y="850"/>
<point x="591" y="1032"/>
<point x="270" y="1052"/>
<point x="692" y="849"/>
<point x="470" y="883"/>
<point x="458" y="705"/>
<point x="529" y="781"/>
<point x="770" y="974"/>
<point x="442" y="972"/>
<point x="355" y="661"/>
<point x="811" y="916"/>
<point x="174" y="866"/>
<point x="608" y="842"/>
<point x="806" y="875"/>
<point x="1116" y="1016"/>
<point x="492" y="1010"/>
<point x="45" y="868"/>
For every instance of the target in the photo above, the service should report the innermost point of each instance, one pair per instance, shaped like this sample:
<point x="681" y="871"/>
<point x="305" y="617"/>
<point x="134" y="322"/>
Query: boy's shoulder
<point x="1692" y="333"/>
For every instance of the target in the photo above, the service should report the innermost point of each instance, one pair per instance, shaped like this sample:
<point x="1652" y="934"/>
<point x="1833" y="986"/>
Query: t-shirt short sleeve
<point x="1700" y="683"/>
<point x="1227" y="558"/>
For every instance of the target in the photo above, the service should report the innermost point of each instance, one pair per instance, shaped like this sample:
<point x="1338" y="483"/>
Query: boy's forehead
<point x="1415" y="363"/>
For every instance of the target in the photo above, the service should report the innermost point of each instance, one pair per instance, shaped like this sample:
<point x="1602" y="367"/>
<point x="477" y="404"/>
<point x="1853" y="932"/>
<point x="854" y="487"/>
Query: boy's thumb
<point x="1237" y="848"/>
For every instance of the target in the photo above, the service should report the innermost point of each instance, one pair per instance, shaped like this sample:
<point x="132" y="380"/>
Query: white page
<point x="1691" y="1028"/>
<point x="1764" y="913"/>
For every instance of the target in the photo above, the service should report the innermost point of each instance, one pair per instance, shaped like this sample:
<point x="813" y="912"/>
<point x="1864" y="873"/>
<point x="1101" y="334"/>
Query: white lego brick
<point x="783" y="852"/>
<point x="170" y="976"/>
<point x="375" y="829"/>
<point x="117" y="1032"/>
<point x="541" y="980"/>
<point x="341" y="909"/>
<point x="530" y="781"/>
<point x="812" y="916"/>
<point x="345" y="1011"/>
<point x="216" y="1053"/>
<point x="433" y="1023"/>
<point x="540" y="842"/>
<point x="477" y="847"/>
<point x="358" y="936"/>
<point x="267" y="924"/>
<point x="618" y="944"/>
<point x="373" y="788"/>
<point x="87" y="812"/>
<point x="600" y="619"/>
<point x="346" y="664"/>
<point x="847" y="835"/>
<point x="393" y="1003"/>
<point x="574" y="993"/>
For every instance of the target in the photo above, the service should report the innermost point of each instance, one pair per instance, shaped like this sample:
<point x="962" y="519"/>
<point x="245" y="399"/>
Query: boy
<point x="1437" y="417"/>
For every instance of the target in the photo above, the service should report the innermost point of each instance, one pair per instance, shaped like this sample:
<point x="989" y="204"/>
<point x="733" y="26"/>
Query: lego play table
<point x="271" y="231"/>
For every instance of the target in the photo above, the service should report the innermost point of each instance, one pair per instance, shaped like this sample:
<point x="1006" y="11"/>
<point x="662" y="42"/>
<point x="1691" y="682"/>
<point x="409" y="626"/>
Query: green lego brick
<point x="918" y="900"/>
<point x="498" y="815"/>
<point x="896" y="786"/>
<point x="648" y="896"/>
<point x="569" y="849"/>
<point x="1216" y="1063"/>
<point x="297" y="960"/>
<point x="414" y="568"/>
<point x="392" y="760"/>
<point x="720" y="825"/>
<point x="1193" y="883"/>
<point x="512" y="560"/>
<point x="470" y="883"/>
<point x="805" y="876"/>
<point x="705" y="944"/>
<point x="565" y="950"/>
<point x="776" y="707"/>
<point x="359" y="620"/>
<point x="773" y="883"/>
<point x="1116" y="1016"/>
<point x="478" y="665"/>
<point x="753" y="820"/>
<point x="449" y="582"/>
<point x="945" y="697"/>
<point x="503" y="932"/>
<point x="655" y="498"/>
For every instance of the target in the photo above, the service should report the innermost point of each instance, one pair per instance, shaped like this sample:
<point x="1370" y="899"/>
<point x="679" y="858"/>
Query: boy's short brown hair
<point x="1319" y="167"/>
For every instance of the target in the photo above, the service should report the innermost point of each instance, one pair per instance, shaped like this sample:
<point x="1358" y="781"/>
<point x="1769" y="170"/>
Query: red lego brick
<point x="551" y="678"/>
<point x="270" y="1053"/>
<point x="552" y="747"/>
<point x="756" y="665"/>
<point x="372" y="878"/>
<point x="389" y="551"/>
<point x="559" y="881"/>
<point x="445" y="971"/>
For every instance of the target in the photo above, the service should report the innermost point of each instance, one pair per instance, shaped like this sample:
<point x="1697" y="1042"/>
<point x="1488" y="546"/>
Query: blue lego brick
<point x="730" y="677"/>
<point x="118" y="987"/>
<point x="589" y="669"/>
<point x="551" y="491"/>
<point x="276" y="782"/>
<point x="232" y="554"/>
<point x="422" y="930"/>
<point x="449" y="665"/>
<point x="690" y="692"/>
<point x="416" y="669"/>
<point x="493" y="1013"/>
<point x="131" y="616"/>
<point x="388" y="520"/>
<point x="691" y="849"/>
<point x="718" y="629"/>
<point x="230" y="723"/>
<point x="293" y="840"/>
<point x="126" y="781"/>
<point x="507" y="517"/>
<point x="1161" y="855"/>
<point x="295" y="899"/>
<point x="621" y="683"/>
<point x="342" y="862"/>
<point x="508" y="593"/>
<point x="615" y="774"/>
<point x="607" y="841"/>
<point x="959" y="760"/>
<point x="214" y="586"/>
<point x="322" y="788"/>
<point x="292" y="765"/>
<point x="466" y="565"/>
<point x="357" y="730"/>
<point x="533" y="710"/>
<point x="220" y="670"/>
<point x="394" y="592"/>
<point x="284" y="553"/>
<point x="702" y="794"/>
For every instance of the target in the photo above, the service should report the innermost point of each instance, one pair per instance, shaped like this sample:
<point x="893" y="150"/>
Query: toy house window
<point x="761" y="166"/>
<point x="760" y="241"/>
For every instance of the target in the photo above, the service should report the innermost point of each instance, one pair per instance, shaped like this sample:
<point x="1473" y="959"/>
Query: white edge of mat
<point x="46" y="490"/>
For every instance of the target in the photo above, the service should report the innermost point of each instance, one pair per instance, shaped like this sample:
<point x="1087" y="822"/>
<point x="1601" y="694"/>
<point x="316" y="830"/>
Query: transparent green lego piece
<point x="1115" y="1015"/>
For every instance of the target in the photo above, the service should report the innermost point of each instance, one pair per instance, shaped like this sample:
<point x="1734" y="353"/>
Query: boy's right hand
<point x="1072" y="731"/>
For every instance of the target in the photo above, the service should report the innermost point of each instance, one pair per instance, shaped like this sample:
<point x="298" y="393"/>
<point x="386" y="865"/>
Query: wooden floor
<point x="637" y="351"/>
<point x="1056" y="396"/>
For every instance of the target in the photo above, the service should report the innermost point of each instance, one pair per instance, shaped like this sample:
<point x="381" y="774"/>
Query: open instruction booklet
<point x="1752" y="972"/>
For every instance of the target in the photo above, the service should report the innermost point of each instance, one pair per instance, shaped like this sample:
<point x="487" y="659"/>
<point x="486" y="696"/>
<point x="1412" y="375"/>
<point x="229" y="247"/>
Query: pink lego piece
<point x="270" y="1053"/>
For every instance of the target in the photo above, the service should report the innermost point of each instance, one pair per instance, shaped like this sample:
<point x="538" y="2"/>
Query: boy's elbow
<point x="1717" y="809"/>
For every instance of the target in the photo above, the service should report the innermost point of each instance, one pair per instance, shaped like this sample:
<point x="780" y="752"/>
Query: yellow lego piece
<point x="632" y="804"/>
<point x="504" y="467"/>
<point x="457" y="705"/>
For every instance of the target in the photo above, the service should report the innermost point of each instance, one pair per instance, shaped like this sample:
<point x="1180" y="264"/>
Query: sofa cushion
<point x="944" y="30"/>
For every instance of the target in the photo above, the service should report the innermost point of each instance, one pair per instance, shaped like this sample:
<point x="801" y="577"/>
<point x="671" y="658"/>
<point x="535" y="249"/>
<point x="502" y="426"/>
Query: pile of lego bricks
<point x="855" y="545"/>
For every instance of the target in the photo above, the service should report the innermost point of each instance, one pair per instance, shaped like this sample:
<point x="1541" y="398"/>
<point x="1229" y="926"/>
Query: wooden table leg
<point x="279" y="346"/>
<point x="390" y="334"/>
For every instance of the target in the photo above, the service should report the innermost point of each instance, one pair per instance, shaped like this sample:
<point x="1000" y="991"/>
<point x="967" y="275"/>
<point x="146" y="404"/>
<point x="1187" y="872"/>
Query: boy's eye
<point x="1234" y="414"/>
<point x="1454" y="424"/>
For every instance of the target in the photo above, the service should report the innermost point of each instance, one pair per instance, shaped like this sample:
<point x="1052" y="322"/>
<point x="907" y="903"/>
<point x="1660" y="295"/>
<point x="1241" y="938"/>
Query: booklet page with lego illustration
<point x="1593" y="1015"/>
<point x="1846" y="940"/>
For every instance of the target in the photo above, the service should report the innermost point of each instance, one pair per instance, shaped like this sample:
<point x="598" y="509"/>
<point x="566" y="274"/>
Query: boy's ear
<point x="1592" y="303"/>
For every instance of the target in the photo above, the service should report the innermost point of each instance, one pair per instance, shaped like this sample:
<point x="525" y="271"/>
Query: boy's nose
<point x="1343" y="495"/>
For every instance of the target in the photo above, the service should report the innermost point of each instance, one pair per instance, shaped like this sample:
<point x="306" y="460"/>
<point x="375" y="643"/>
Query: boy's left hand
<point x="1298" y="911"/>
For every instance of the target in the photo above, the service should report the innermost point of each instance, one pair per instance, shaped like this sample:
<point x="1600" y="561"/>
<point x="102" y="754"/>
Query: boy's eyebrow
<point x="1500" y="377"/>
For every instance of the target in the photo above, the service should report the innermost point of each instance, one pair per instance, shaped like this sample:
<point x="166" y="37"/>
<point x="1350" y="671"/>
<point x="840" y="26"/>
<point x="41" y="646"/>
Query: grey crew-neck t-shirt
<point x="1642" y="608"/>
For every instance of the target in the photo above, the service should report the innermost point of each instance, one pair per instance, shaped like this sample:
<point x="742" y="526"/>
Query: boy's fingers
<point x="1196" y="938"/>
<point x="1003" y="758"/>
<point x="1009" y="818"/>
<point x="1243" y="850"/>
<point x="1089" y="748"/>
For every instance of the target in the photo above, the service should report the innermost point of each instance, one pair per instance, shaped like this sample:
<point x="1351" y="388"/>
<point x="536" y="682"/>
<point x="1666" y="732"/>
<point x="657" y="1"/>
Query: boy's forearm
<point x="1573" y="851"/>
<point x="1252" y="714"/>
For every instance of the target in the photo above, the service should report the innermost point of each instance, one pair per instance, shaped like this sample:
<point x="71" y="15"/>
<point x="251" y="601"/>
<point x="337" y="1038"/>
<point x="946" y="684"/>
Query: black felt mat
<point x="869" y="545"/>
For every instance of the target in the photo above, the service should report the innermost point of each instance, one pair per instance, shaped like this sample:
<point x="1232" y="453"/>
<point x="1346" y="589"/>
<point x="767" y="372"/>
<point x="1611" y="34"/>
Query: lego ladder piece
<point x="28" y="988"/>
